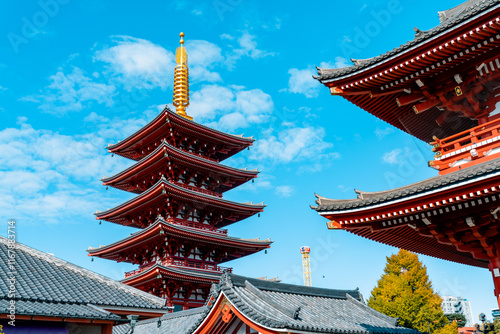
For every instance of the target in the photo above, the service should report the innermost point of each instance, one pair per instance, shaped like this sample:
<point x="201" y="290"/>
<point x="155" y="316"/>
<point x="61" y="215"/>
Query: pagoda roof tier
<point x="151" y="275"/>
<point x="172" y="162"/>
<point x="177" y="130"/>
<point x="154" y="236"/>
<point x="434" y="62"/>
<point x="167" y="198"/>
<point x="393" y="217"/>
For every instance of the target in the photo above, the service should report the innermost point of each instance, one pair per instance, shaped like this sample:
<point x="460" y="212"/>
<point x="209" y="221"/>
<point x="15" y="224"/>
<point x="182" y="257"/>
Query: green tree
<point x="405" y="291"/>
<point x="459" y="318"/>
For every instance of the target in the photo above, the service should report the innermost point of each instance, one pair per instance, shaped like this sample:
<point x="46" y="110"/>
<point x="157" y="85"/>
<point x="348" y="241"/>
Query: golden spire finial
<point x="181" y="80"/>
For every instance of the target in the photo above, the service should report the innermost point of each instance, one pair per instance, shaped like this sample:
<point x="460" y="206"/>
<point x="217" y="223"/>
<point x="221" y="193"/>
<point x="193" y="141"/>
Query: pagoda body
<point x="443" y="87"/>
<point x="179" y="208"/>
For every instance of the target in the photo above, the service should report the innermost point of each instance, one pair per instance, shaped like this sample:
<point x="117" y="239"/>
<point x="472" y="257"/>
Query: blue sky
<point x="77" y="75"/>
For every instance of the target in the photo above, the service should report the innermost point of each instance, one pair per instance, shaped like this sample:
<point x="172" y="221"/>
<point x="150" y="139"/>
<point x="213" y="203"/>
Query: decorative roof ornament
<point x="181" y="80"/>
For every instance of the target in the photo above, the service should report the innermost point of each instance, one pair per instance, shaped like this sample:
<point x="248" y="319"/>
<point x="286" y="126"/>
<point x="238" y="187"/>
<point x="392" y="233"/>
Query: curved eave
<point x="154" y="193"/>
<point x="387" y="217"/>
<point x="179" y="274"/>
<point x="207" y="131"/>
<point x="152" y="162"/>
<point x="478" y="176"/>
<point x="405" y="237"/>
<point x="202" y="131"/>
<point x="428" y="40"/>
<point x="274" y="313"/>
<point x="151" y="233"/>
<point x="376" y="87"/>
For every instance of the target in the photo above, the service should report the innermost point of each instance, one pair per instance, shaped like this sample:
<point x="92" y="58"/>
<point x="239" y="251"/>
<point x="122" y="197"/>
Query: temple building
<point x="179" y="208"/>
<point x="239" y="305"/>
<point x="443" y="88"/>
<point x="42" y="294"/>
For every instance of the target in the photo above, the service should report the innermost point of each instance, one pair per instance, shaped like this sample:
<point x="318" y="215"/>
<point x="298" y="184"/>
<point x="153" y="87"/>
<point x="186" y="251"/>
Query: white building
<point x="460" y="305"/>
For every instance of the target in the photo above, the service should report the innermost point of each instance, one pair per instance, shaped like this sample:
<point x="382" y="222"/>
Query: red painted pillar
<point x="170" y="305"/>
<point x="495" y="271"/>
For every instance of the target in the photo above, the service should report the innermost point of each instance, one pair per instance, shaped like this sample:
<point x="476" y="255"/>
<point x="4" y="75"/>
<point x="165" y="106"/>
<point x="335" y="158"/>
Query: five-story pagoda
<point x="179" y="209"/>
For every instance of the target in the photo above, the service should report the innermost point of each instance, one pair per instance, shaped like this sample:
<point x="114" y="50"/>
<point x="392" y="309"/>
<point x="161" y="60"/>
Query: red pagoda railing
<point x="471" y="144"/>
<point x="196" y="264"/>
<point x="190" y="264"/>
<point x="200" y="226"/>
<point x="135" y="272"/>
<point x="199" y="190"/>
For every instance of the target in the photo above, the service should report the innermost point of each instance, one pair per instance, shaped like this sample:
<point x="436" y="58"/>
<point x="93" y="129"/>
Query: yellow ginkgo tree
<point x="405" y="291"/>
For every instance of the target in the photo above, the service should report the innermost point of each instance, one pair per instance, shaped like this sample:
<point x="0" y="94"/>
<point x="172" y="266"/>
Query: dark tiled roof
<point x="49" y="309"/>
<point x="370" y="198"/>
<point x="449" y="20"/>
<point x="177" y="322"/>
<point x="284" y="307"/>
<point x="207" y="275"/>
<point x="165" y="181"/>
<point x="46" y="285"/>
<point x="240" y="137"/>
<point x="173" y="114"/>
<point x="221" y="237"/>
<point x="299" y="308"/>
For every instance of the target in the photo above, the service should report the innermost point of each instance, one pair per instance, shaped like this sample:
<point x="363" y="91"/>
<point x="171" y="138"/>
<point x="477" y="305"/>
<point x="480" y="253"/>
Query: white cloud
<point x="139" y="63"/>
<point x="81" y="157"/>
<point x="338" y="63"/>
<point x="71" y="92"/>
<point x="136" y="62"/>
<point x="226" y="36"/>
<point x="392" y="157"/>
<point x="3" y="88"/>
<point x="234" y="106"/>
<point x="196" y="12"/>
<point x="247" y="47"/>
<point x="294" y="144"/>
<point x="301" y="81"/>
<point x="284" y="191"/>
<point x="45" y="175"/>
<point x="262" y="182"/>
<point x="202" y="57"/>
<point x="381" y="133"/>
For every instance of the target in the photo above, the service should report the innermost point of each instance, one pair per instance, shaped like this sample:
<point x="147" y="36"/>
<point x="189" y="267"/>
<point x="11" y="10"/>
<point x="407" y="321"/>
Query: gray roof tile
<point x="369" y="198"/>
<point x="449" y="20"/>
<point x="177" y="322"/>
<point x="283" y="306"/>
<point x="46" y="285"/>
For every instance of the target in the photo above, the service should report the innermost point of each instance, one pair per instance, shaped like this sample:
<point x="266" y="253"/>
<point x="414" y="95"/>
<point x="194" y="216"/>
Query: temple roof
<point x="429" y="64"/>
<point x="177" y="322"/>
<point x="285" y="307"/>
<point x="155" y="160"/>
<point x="159" y="127"/>
<point x="450" y="19"/>
<point x="149" y="234"/>
<point x="164" y="190"/>
<point x="455" y="179"/>
<point x="172" y="272"/>
<point x="48" y="286"/>
<point x="393" y="217"/>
